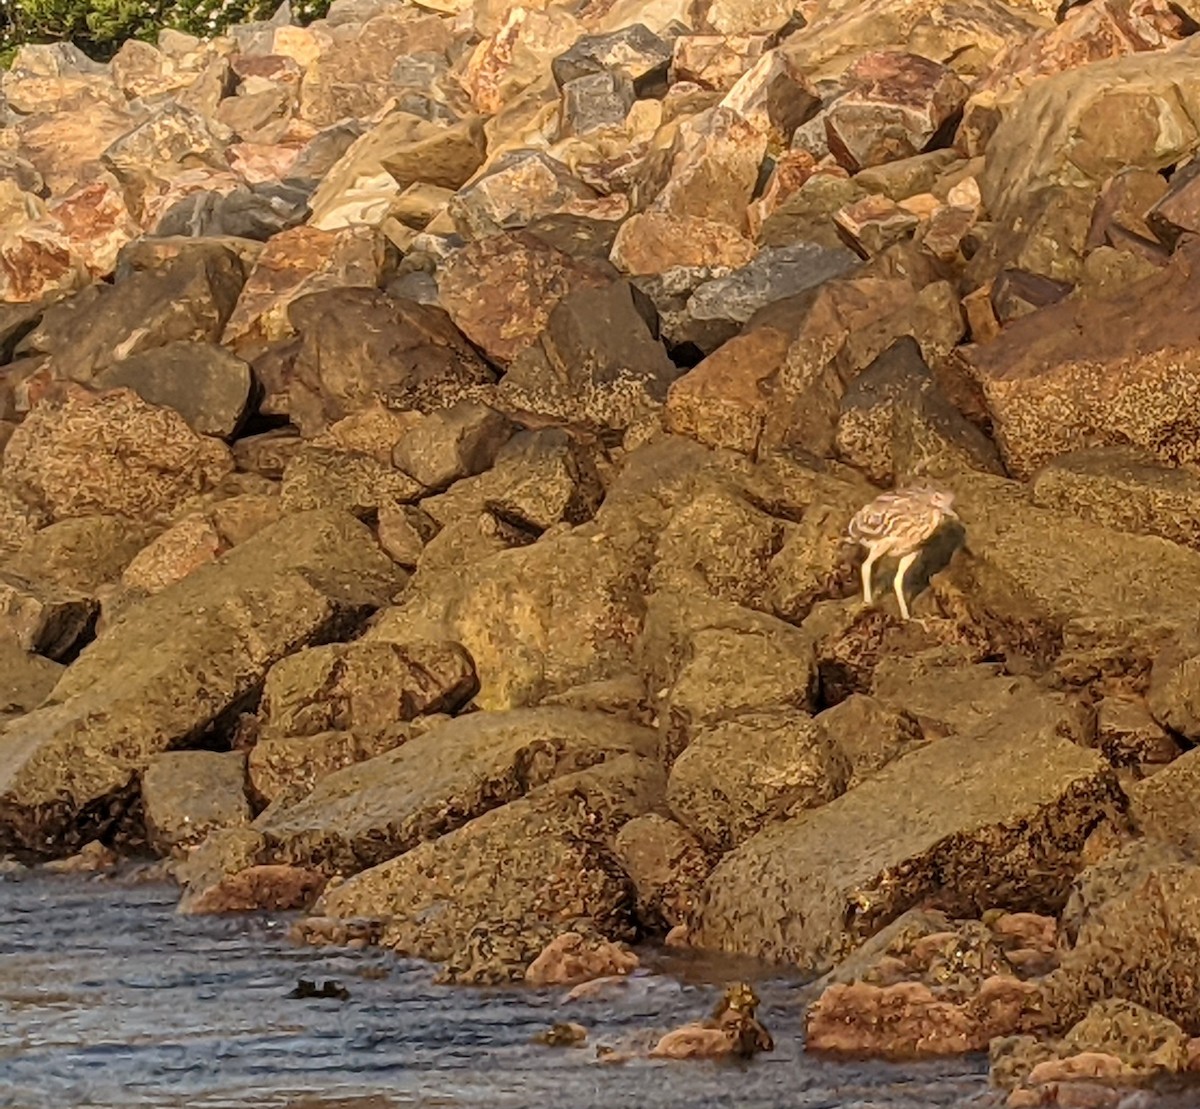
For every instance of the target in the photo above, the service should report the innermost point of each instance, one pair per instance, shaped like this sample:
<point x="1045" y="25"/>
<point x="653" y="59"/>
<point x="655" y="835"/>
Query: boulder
<point x="363" y="687"/>
<point x="1158" y="805"/>
<point x="635" y="52"/>
<point x="1064" y="379"/>
<point x="84" y="453"/>
<point x="185" y="546"/>
<point x="667" y="866"/>
<point x="27" y="680"/>
<point x="452" y="443"/>
<point x="739" y="775"/>
<point x="595" y="102"/>
<point x="283" y="769"/>
<point x="1000" y="814"/>
<point x="501" y="289"/>
<point x="186" y="794"/>
<point x="489" y="921"/>
<point x="345" y="480"/>
<point x="368" y="813"/>
<point x="867" y="734"/>
<point x="571" y="958"/>
<point x="80" y="553"/>
<point x="45" y="618"/>
<point x="654" y="242"/>
<point x="176" y="666"/>
<point x="596" y="364"/>
<point x="209" y="387"/>
<point x="359" y="346"/>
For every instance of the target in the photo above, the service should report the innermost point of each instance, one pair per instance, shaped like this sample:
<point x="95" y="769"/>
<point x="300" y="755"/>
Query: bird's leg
<point x="898" y="582"/>
<point x="866" y="575"/>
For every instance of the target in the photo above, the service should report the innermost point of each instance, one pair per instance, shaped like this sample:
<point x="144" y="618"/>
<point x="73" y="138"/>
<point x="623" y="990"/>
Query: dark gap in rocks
<point x="687" y="356"/>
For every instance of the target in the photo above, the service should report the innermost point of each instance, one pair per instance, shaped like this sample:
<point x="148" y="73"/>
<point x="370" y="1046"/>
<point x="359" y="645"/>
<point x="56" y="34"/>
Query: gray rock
<point x="249" y="212"/>
<point x="176" y="666"/>
<point x="452" y="443"/>
<point x="186" y="794"/>
<point x="594" y="102"/>
<point x="634" y="52"/>
<point x="204" y="383"/>
<point x="997" y="816"/>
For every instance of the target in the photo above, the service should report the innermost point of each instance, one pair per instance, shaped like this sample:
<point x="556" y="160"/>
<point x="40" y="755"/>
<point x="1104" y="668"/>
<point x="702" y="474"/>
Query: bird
<point x="899" y="523"/>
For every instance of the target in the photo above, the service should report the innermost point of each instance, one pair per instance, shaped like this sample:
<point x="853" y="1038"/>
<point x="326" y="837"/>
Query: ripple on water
<point x="109" y="999"/>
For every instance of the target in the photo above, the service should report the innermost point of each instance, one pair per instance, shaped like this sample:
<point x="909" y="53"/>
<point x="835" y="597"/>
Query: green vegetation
<point x="98" y="27"/>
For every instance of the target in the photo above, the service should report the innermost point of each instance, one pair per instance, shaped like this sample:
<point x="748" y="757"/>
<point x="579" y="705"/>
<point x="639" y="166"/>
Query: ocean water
<point x="110" y="1000"/>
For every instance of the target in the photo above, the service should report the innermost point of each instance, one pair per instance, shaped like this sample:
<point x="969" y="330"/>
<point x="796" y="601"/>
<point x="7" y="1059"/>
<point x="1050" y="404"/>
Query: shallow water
<point x="109" y="999"/>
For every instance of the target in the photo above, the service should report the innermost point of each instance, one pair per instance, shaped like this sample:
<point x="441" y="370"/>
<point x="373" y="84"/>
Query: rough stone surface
<point x="667" y="866"/>
<point x="186" y="794"/>
<point x="178" y="664"/>
<point x="452" y="443"/>
<point x="810" y="888"/>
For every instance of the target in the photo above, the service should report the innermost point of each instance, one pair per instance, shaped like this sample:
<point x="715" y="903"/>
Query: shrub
<point x="98" y="27"/>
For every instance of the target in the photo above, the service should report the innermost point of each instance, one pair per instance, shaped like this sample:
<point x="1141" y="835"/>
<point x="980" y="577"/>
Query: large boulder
<point x="1099" y="372"/>
<point x="186" y="794"/>
<point x="998" y="815"/>
<point x="176" y="666"/>
<point x="87" y="453"/>
<point x="487" y="897"/>
<point x="368" y="813"/>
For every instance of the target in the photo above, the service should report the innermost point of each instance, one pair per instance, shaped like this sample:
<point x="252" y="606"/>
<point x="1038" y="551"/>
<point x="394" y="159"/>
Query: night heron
<point x="899" y="523"/>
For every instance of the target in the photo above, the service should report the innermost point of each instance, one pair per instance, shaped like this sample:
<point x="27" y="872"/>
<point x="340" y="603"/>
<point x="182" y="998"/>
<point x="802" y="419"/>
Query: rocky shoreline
<point x="429" y="437"/>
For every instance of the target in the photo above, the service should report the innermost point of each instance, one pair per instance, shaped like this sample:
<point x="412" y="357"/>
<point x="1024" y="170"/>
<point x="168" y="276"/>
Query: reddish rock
<point x="186" y="546"/>
<point x="1089" y="373"/>
<point x="269" y="887"/>
<point x="501" y="290"/>
<point x="909" y="1020"/>
<point x="724" y="401"/>
<point x="895" y="106"/>
<point x="874" y="223"/>
<point x="667" y="866"/>
<point x="571" y="958"/>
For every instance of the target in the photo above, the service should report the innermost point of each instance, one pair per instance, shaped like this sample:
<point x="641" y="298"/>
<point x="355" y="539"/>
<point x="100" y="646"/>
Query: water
<point x="109" y="999"/>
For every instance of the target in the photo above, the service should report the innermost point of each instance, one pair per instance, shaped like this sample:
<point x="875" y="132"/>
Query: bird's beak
<point x="952" y="514"/>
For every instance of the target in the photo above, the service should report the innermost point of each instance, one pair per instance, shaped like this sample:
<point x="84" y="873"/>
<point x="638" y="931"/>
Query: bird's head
<point x="943" y="501"/>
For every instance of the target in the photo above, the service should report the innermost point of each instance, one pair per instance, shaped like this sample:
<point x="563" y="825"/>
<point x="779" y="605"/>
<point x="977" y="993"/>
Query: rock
<point x="20" y="518"/>
<point x="403" y="531"/>
<point x="501" y="290"/>
<point x="1123" y="489"/>
<point x="1129" y="736"/>
<point x="489" y="921"/>
<point x="186" y="794"/>
<point x="282" y="770"/>
<point x="189" y="298"/>
<point x="895" y="106"/>
<point x="874" y="223"/>
<point x="110" y="453"/>
<point x="27" y="680"/>
<point x="770" y="766"/>
<point x="354" y="483"/>
<point x="714" y="168"/>
<point x="45" y="618"/>
<point x="809" y="889"/>
<point x="452" y="443"/>
<point x="359" y="346"/>
<point x="257" y="212"/>
<point x="667" y="866"/>
<point x="634" y="52"/>
<point x="732" y="1029"/>
<point x="1156" y="804"/>
<point x="595" y="102"/>
<point x="711" y="660"/>
<point x="897" y="397"/>
<point x="516" y="189"/>
<point x="538" y="479"/>
<point x="571" y="958"/>
<point x="596" y="363"/>
<point x="654" y="242"/>
<point x="81" y="553"/>
<point x="775" y="97"/>
<point x="714" y="62"/>
<point x="723" y="305"/>
<point x="866" y="734"/>
<point x="262" y="888"/>
<point x="1075" y="129"/>
<point x="206" y="385"/>
<point x="363" y="687"/>
<point x="176" y="665"/>
<point x="724" y="401"/>
<point x="181" y="549"/>
<point x="908" y="1020"/>
<point x="365" y="814"/>
<point x="93" y="857"/>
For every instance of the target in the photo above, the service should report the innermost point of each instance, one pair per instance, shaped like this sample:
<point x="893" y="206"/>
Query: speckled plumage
<point x="899" y="523"/>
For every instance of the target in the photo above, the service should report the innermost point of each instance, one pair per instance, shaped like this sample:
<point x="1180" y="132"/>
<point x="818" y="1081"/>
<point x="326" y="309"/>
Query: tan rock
<point x="187" y="794"/>
<point x="140" y="460"/>
<point x="653" y="242"/>
<point x="571" y="958"/>
<point x="715" y="62"/>
<point x="287" y="768"/>
<point x="186" y="546"/>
